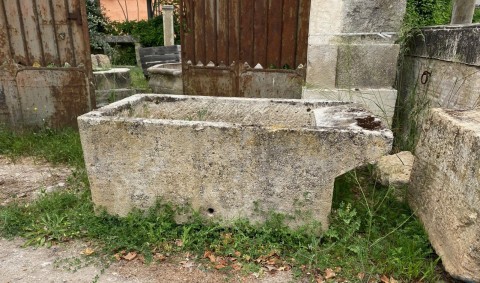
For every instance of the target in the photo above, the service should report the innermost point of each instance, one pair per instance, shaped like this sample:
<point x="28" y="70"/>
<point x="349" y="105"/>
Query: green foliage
<point x="476" y="16"/>
<point x="56" y="146"/>
<point x="428" y="12"/>
<point x="138" y="79"/>
<point x="124" y="55"/>
<point x="148" y="32"/>
<point x="97" y="26"/>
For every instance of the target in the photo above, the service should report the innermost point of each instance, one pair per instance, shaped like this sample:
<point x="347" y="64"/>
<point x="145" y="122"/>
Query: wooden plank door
<point x="239" y="47"/>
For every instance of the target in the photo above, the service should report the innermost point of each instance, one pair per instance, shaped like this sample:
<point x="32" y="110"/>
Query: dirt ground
<point x="25" y="179"/>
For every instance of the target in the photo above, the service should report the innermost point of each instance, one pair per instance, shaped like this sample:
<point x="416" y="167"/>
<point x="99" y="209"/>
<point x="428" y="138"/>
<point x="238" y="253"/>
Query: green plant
<point x="97" y="27"/>
<point x="56" y="146"/>
<point x="138" y="79"/>
<point x="428" y="12"/>
<point x="148" y="32"/>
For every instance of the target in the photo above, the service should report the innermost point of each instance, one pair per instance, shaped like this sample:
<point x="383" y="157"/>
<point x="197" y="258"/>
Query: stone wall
<point x="441" y="69"/>
<point x="351" y="47"/>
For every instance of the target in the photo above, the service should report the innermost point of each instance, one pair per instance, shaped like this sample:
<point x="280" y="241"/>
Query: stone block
<point x="394" y="170"/>
<point x="166" y="78"/>
<point x="364" y="16"/>
<point x="458" y="43"/>
<point x="322" y="65"/>
<point x="100" y="62"/>
<point x="367" y="65"/>
<point x="226" y="157"/>
<point x="445" y="188"/>
<point x="112" y="79"/>
<point x="381" y="102"/>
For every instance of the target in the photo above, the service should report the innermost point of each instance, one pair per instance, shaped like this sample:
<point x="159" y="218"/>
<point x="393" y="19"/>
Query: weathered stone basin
<point x="226" y="157"/>
<point x="166" y="78"/>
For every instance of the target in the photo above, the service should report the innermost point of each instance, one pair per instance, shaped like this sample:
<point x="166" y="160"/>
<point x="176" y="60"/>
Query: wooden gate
<point x="247" y="48"/>
<point x="45" y="64"/>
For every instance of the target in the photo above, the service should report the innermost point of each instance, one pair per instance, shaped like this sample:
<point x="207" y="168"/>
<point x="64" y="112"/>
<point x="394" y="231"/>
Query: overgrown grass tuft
<point x="372" y="231"/>
<point x="138" y="79"/>
<point x="55" y="146"/>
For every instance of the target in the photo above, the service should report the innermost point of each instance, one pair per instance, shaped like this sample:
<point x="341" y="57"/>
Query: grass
<point x="138" y="79"/>
<point x="372" y="233"/>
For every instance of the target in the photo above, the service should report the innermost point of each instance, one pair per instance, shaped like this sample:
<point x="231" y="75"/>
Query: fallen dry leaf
<point x="159" y="257"/>
<point x="237" y="254"/>
<point x="319" y="279"/>
<point x="219" y="266"/>
<point x="117" y="256"/>
<point x="179" y="243"/>
<point x="385" y="279"/>
<point x="237" y="266"/>
<point x="338" y="269"/>
<point x="392" y="280"/>
<point x="329" y="273"/>
<point x="130" y="256"/>
<point x="361" y="275"/>
<point x="87" y="251"/>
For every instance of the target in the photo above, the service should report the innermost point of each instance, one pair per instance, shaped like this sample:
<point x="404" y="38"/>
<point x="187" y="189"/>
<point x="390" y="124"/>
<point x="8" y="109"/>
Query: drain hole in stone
<point x="308" y="109"/>
<point x="210" y="210"/>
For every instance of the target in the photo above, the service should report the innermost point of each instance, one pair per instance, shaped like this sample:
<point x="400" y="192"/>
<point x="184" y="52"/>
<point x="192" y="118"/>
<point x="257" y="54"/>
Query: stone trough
<point x="166" y="78"/>
<point x="227" y="158"/>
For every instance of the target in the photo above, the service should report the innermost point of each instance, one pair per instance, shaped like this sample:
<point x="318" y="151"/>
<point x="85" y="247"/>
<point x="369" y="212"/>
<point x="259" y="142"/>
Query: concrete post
<point x="463" y="12"/>
<point x="168" y="33"/>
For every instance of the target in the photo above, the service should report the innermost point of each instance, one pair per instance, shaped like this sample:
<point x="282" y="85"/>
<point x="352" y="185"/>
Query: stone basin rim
<point x="108" y="114"/>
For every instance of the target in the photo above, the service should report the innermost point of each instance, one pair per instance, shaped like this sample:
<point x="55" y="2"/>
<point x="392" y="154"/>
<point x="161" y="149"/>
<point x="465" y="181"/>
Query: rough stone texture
<point x="168" y="33"/>
<point x="440" y="72"/>
<point x="457" y="44"/>
<point x="381" y="102"/>
<point x="373" y="15"/>
<point x="351" y="43"/>
<point x="394" y="170"/>
<point x="226" y="156"/>
<point x="367" y="65"/>
<point x="445" y="188"/>
<point x="112" y="79"/>
<point x="100" y="62"/>
<point x="463" y="11"/>
<point x="166" y="78"/>
<point x="322" y="65"/>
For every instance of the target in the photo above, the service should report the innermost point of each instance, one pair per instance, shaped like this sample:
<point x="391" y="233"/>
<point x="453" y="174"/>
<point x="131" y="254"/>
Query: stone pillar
<point x="463" y="12"/>
<point x="168" y="33"/>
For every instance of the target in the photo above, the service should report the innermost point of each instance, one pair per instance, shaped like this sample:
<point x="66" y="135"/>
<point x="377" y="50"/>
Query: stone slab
<point x="226" y="157"/>
<point x="112" y="79"/>
<point x="166" y="78"/>
<point x="367" y="65"/>
<point x="381" y="102"/>
<point x="453" y="43"/>
<point x="445" y="188"/>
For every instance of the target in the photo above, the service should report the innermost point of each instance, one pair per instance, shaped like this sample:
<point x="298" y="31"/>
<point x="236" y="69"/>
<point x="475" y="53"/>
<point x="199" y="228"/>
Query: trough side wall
<point x="440" y="70"/>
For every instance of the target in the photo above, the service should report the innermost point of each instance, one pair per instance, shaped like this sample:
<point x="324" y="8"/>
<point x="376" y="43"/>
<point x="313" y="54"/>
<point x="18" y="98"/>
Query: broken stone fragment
<point x="394" y="170"/>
